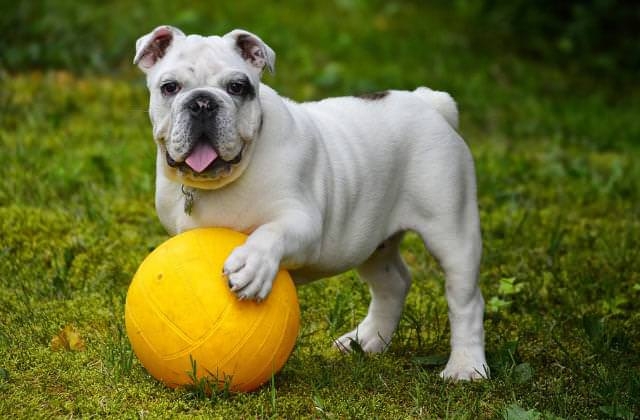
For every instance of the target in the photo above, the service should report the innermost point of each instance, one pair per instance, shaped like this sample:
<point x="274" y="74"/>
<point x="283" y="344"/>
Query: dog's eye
<point x="237" y="88"/>
<point x="169" y="88"/>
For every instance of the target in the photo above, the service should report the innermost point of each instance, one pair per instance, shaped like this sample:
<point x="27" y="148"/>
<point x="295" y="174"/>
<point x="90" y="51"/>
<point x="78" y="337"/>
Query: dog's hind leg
<point x="389" y="281"/>
<point x="453" y="237"/>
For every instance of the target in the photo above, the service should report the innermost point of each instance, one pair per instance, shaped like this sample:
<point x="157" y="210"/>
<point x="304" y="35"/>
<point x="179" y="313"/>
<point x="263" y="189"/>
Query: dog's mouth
<point x="204" y="161"/>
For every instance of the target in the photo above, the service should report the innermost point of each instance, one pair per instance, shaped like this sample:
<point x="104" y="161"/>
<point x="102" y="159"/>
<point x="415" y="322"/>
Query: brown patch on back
<point x="374" y="96"/>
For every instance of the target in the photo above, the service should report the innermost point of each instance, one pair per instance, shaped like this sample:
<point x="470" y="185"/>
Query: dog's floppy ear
<point x="252" y="49"/>
<point x="153" y="46"/>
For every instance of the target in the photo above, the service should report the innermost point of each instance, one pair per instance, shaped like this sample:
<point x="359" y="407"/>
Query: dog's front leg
<point x="251" y="268"/>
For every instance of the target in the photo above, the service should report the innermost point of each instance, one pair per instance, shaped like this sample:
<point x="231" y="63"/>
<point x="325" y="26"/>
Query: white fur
<point x="332" y="185"/>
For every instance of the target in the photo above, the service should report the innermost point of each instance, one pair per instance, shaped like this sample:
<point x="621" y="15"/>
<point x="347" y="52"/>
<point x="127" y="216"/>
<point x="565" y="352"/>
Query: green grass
<point x="556" y="154"/>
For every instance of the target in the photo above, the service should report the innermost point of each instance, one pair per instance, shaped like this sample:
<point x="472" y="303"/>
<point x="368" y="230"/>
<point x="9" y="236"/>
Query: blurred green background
<point x="596" y="35"/>
<point x="583" y="53"/>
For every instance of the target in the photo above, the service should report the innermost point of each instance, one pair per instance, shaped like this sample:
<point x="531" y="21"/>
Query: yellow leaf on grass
<point x="67" y="339"/>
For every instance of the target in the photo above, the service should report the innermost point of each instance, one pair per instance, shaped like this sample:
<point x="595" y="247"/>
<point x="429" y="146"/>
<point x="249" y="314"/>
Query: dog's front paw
<point x="250" y="272"/>
<point x="464" y="365"/>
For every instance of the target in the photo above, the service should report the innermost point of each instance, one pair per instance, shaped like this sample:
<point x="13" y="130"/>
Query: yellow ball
<point x="179" y="308"/>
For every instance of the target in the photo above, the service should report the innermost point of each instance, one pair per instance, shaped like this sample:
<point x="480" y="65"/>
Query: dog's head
<point x="204" y="103"/>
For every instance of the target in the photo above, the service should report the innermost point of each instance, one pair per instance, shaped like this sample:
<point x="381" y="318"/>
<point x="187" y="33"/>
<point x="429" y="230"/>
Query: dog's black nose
<point x="202" y="106"/>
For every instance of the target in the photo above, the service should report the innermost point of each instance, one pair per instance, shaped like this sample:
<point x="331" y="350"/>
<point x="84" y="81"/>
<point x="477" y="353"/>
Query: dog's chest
<point x="181" y="208"/>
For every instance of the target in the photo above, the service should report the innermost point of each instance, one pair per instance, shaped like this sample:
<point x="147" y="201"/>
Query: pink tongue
<point x="201" y="157"/>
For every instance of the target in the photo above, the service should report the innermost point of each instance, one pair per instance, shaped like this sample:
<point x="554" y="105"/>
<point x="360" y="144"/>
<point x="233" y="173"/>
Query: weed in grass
<point x="273" y="396"/>
<point x="337" y="316"/>
<point x="210" y="388"/>
<point x="506" y="364"/>
<point x="4" y="379"/>
<point x="118" y="356"/>
<point x="420" y="394"/>
<point x="431" y="361"/>
<point x="508" y="287"/>
<point x="515" y="412"/>
<point x="617" y="412"/>
<point x="608" y="343"/>
<point x="321" y="407"/>
<point x="421" y="325"/>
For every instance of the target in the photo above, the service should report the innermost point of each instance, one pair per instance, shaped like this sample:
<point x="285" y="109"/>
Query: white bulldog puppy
<point x="320" y="187"/>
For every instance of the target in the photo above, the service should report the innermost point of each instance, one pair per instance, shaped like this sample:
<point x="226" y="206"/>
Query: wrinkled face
<point x="204" y="104"/>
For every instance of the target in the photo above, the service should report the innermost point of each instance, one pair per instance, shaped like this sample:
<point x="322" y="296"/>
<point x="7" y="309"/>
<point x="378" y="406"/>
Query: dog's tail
<point x="441" y="102"/>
